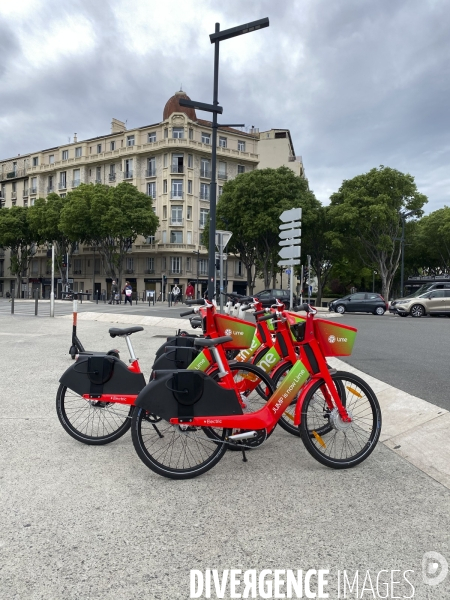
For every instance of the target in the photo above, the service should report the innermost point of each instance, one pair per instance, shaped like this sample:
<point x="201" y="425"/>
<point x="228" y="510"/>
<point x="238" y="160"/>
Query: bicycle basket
<point x="334" y="339"/>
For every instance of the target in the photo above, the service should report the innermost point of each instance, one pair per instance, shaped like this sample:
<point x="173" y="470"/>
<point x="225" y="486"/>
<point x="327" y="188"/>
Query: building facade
<point x="171" y="162"/>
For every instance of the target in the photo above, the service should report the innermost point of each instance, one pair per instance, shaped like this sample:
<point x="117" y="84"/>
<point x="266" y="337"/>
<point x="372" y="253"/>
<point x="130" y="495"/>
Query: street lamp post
<point x="373" y="280"/>
<point x="217" y="37"/>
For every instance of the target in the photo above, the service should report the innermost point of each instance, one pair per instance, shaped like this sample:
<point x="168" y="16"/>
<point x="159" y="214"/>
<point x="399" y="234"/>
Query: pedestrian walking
<point x="175" y="294"/>
<point x="128" y="290"/>
<point x="190" y="292"/>
<point x="114" y="290"/>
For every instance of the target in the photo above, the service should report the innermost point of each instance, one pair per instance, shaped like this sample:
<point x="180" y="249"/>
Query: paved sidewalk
<point x="93" y="523"/>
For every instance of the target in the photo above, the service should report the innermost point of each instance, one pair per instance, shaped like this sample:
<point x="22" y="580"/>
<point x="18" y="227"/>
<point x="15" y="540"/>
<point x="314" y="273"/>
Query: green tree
<point x="45" y="217"/>
<point x="428" y="251"/>
<point x="250" y="207"/>
<point x="367" y="213"/>
<point x="18" y="234"/>
<point x="110" y="219"/>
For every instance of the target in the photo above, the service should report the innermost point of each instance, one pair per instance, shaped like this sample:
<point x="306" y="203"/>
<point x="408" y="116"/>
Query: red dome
<point x="173" y="105"/>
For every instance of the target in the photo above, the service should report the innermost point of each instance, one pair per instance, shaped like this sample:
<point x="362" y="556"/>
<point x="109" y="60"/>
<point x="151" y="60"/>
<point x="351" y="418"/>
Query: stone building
<point x="171" y="162"/>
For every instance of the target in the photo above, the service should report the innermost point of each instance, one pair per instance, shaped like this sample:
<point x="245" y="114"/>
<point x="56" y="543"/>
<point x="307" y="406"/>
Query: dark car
<point x="266" y="297"/>
<point x="360" y="302"/>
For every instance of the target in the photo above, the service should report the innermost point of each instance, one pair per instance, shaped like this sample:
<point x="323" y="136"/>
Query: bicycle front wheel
<point x="327" y="437"/>
<point x="175" y="451"/>
<point x="89" y="421"/>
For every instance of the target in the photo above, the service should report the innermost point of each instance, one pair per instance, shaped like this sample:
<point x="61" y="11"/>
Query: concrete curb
<point x="413" y="428"/>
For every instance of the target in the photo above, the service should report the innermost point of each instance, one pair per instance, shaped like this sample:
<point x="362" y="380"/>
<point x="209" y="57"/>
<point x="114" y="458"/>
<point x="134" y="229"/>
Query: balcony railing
<point x="204" y="195"/>
<point x="175" y="272"/>
<point x="222" y="175"/>
<point x="33" y="190"/>
<point x="150" y="173"/>
<point x="62" y="185"/>
<point x="149" y="271"/>
<point x="50" y="189"/>
<point x="175" y="195"/>
<point x="25" y="193"/>
<point x="128" y="175"/>
<point x="177" y="169"/>
<point x="205" y="173"/>
<point x="129" y="271"/>
<point x="13" y="195"/>
<point x="112" y="176"/>
<point x="98" y="181"/>
<point x="176" y="222"/>
<point x="75" y="183"/>
<point x="202" y="224"/>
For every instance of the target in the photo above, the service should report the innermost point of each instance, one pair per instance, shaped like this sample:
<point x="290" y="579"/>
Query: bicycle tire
<point x="179" y="459"/>
<point x="260" y="395"/>
<point x="359" y="437"/>
<point x="90" y="422"/>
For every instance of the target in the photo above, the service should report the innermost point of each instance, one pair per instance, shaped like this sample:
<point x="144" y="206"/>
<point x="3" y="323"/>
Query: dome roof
<point x="173" y="105"/>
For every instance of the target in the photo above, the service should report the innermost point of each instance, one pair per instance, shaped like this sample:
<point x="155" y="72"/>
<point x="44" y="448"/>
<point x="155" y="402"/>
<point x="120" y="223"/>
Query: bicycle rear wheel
<point x="175" y="451"/>
<point x="89" y="421"/>
<point x="327" y="437"/>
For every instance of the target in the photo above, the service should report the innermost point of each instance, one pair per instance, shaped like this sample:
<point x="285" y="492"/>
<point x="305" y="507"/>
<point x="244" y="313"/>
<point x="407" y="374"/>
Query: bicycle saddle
<point x="214" y="342"/>
<point x="115" y="331"/>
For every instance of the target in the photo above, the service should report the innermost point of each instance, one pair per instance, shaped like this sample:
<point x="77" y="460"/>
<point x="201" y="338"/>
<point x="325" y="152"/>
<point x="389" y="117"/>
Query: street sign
<point x="294" y="214"/>
<point x="224" y="256"/>
<point x="291" y="262"/>
<point x="290" y="252"/>
<point x="288" y="271"/>
<point x="289" y="242"/>
<point x="290" y="233"/>
<point x="226" y="236"/>
<point x="290" y="225"/>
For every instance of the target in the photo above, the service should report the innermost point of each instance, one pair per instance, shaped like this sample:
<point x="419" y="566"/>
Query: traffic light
<point x="164" y="279"/>
<point x="63" y="263"/>
<point x="217" y="264"/>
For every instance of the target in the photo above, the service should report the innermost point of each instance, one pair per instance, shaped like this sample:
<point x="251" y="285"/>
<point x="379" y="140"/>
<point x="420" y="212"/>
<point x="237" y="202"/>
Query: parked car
<point x="432" y="299"/>
<point x="360" y="302"/>
<point x="266" y="297"/>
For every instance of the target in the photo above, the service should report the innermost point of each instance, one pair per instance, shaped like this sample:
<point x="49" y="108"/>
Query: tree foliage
<point x="110" y="219"/>
<point x="367" y="212"/>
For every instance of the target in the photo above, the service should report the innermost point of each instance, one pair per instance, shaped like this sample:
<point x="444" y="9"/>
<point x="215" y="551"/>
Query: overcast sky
<point x="359" y="83"/>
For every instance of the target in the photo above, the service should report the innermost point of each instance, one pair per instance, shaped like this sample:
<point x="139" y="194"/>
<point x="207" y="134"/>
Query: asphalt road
<point x="409" y="354"/>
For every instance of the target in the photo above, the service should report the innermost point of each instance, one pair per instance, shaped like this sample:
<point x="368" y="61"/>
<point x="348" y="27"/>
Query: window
<point x="190" y="186"/>
<point x="163" y="263"/>
<point x="189" y="213"/>
<point x="90" y="149"/>
<point x="203" y="266"/>
<point x="130" y="264"/>
<point x="112" y="172"/>
<point x="176" y="237"/>
<point x="238" y="268"/>
<point x="175" y="263"/>
<point x="98" y="175"/>
<point x="165" y="186"/>
<point x="241" y="169"/>
<point x="188" y="260"/>
<point x="99" y="148"/>
<point x="178" y="132"/>
<point x="151" y="167"/>
<point x="191" y="134"/>
<point x="77" y="266"/>
<point x="35" y="161"/>
<point x="177" y="188"/>
<point x="76" y="178"/>
<point x="130" y="140"/>
<point x="65" y="154"/>
<point x="204" y="213"/>
<point x="165" y="160"/>
<point x="150" y="264"/>
<point x="204" y="191"/>
<point x="97" y="266"/>
<point x="177" y="163"/>
<point x="62" y="195"/>
<point x="176" y="215"/>
<point x="151" y="189"/>
<point x="150" y="239"/>
<point x="164" y="212"/>
<point x="222" y="142"/>
<point x="128" y="168"/>
<point x="189" y="237"/>
<point x="78" y="152"/>
<point x="164" y="241"/>
<point x="166" y="133"/>
<point x="241" y="146"/>
<point x="50" y="184"/>
<point x="220" y="190"/>
<point x="112" y="146"/>
<point x="151" y="137"/>
<point x="205" y="170"/>
<point x="206" y="138"/>
<point x="51" y="159"/>
<point x="190" y="161"/>
<point x="222" y="170"/>
<point x="33" y="189"/>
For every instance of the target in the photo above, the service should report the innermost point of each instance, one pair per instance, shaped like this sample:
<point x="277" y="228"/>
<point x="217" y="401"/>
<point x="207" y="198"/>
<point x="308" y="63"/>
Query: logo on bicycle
<point x="229" y="332"/>
<point x="331" y="339"/>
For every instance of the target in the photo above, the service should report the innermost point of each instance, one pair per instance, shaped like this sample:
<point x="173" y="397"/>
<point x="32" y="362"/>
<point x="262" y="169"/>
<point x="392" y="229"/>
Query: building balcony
<point x="150" y="173"/>
<point x="205" y="173"/>
<point x="33" y="190"/>
<point x="112" y="176"/>
<point x="13" y="195"/>
<point x="50" y="189"/>
<point x="98" y="181"/>
<point x="177" y="169"/>
<point x="77" y="272"/>
<point x="129" y="271"/>
<point x="128" y="175"/>
<point x="222" y="176"/>
<point x="25" y="193"/>
<point x="175" y="272"/>
<point x="177" y="222"/>
<point x="175" y="195"/>
<point x="62" y="185"/>
<point x="149" y="271"/>
<point x="75" y="183"/>
<point x="204" y="196"/>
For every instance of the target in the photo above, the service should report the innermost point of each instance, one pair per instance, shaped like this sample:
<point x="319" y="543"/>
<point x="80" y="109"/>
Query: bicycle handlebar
<point x="198" y="301"/>
<point x="305" y="307"/>
<point x="267" y="317"/>
<point x="188" y="312"/>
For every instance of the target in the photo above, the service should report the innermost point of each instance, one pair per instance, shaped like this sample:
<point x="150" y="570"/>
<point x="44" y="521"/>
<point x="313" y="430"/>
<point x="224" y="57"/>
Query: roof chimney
<point x="117" y="126"/>
<point x="75" y="137"/>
